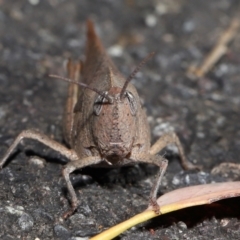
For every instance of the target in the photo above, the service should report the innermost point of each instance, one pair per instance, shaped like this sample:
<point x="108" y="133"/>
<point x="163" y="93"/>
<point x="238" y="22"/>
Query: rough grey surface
<point x="35" y="38"/>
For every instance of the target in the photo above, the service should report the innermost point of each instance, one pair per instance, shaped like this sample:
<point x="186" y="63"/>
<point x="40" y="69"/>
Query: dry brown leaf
<point x="198" y="195"/>
<point x="176" y="200"/>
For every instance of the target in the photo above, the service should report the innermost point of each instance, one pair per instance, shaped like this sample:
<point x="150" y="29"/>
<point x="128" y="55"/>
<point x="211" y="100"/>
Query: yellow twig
<point x="179" y="199"/>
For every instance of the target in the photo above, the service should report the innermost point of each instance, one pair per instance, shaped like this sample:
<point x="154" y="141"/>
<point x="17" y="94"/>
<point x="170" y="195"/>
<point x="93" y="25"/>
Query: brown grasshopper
<point x="104" y="122"/>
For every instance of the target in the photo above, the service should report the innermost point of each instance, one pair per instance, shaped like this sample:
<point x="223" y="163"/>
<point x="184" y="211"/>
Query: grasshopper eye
<point x="100" y="100"/>
<point x="132" y="102"/>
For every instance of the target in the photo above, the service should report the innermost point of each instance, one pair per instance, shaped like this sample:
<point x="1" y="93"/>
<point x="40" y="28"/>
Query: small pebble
<point x="18" y="210"/>
<point x="34" y="2"/>
<point x="176" y="180"/>
<point x="188" y="26"/>
<point x="224" y="222"/>
<point x="151" y="20"/>
<point x="25" y="222"/>
<point x="40" y="162"/>
<point x="115" y="51"/>
<point x="161" y="8"/>
<point x="182" y="225"/>
<point x="61" y="232"/>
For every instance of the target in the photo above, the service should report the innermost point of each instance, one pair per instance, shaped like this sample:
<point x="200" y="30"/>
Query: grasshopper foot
<point x="154" y="205"/>
<point x="189" y="166"/>
<point x="70" y="212"/>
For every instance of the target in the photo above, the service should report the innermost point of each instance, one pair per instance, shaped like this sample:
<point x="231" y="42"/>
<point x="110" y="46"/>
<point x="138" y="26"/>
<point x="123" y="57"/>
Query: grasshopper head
<point x="115" y="124"/>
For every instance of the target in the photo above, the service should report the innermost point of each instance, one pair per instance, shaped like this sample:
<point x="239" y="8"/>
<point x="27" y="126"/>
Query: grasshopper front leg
<point x="69" y="168"/>
<point x="68" y="153"/>
<point x="162" y="163"/>
<point x="40" y="137"/>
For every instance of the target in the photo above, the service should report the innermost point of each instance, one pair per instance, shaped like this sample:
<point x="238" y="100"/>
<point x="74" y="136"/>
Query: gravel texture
<point x="36" y="36"/>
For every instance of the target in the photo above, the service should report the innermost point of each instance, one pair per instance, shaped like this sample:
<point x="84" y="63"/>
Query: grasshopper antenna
<point x="104" y="95"/>
<point x="131" y="76"/>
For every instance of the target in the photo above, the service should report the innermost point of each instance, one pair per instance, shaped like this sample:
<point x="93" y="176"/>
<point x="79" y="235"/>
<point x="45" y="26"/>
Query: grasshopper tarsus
<point x="154" y="205"/>
<point x="70" y="212"/>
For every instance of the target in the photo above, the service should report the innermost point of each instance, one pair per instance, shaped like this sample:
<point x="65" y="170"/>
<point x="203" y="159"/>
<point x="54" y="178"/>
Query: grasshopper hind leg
<point x="40" y="137"/>
<point x="172" y="138"/>
<point x="73" y="70"/>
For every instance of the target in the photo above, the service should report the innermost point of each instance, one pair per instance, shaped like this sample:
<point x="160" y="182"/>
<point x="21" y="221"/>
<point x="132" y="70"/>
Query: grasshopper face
<point x="115" y="124"/>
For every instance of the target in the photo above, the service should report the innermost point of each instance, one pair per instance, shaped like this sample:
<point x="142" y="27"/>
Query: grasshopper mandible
<point x="104" y="122"/>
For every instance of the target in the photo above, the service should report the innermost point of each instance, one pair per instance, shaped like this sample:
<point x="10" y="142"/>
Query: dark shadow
<point x="227" y="208"/>
<point x="110" y="177"/>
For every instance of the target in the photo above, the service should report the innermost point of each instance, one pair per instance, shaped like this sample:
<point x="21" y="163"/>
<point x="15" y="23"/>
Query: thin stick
<point x="218" y="51"/>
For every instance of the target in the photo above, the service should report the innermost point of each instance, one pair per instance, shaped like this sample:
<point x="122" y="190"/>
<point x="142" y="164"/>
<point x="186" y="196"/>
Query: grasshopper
<point x="104" y="122"/>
